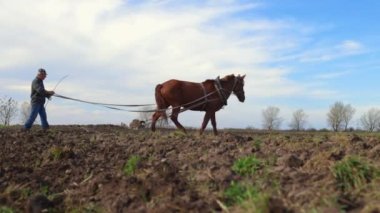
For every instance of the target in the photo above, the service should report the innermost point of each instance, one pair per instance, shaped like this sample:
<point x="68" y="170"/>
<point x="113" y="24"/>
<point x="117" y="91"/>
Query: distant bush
<point x="250" y="128"/>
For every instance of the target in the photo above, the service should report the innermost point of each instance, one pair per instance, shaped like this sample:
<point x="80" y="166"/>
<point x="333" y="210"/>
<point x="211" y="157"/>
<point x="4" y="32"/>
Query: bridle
<point x="233" y="88"/>
<point x="221" y="91"/>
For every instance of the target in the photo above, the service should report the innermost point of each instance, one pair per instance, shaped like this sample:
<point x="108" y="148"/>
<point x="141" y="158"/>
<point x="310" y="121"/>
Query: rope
<point x="99" y="103"/>
<point x="55" y="87"/>
<point x="60" y="80"/>
<point x="116" y="106"/>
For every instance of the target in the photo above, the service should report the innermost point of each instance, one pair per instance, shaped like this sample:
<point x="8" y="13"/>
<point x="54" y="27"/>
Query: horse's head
<point x="236" y="83"/>
<point x="238" y="88"/>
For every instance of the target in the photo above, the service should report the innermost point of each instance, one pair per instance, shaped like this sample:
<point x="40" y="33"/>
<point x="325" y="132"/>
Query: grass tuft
<point x="4" y="209"/>
<point x="247" y="165"/>
<point x="55" y="152"/>
<point x="236" y="193"/>
<point x="353" y="173"/>
<point x="246" y="197"/>
<point x="257" y="144"/>
<point x="130" y="166"/>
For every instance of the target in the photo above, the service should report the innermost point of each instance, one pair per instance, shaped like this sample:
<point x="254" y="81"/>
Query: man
<point x="38" y="96"/>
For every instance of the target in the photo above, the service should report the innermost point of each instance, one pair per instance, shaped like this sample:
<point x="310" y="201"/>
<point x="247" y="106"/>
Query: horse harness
<point x="219" y="89"/>
<point x="206" y="99"/>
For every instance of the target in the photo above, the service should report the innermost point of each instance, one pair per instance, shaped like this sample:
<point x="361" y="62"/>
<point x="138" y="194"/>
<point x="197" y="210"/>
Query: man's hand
<point x="49" y="94"/>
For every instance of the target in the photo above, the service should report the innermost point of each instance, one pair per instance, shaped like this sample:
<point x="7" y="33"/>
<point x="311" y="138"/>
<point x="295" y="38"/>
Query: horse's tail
<point x="160" y="101"/>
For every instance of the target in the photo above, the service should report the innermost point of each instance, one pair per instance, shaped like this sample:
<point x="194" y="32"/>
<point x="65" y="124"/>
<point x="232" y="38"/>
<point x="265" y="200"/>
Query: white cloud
<point x="332" y="75"/>
<point x="273" y="83"/>
<point x="351" y="47"/>
<point x="342" y="49"/>
<point x="117" y="51"/>
<point x="324" y="93"/>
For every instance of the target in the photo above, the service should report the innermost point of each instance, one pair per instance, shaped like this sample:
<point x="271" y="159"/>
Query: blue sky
<point x="296" y="54"/>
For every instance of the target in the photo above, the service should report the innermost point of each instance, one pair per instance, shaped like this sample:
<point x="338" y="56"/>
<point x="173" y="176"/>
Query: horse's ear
<point x="243" y="76"/>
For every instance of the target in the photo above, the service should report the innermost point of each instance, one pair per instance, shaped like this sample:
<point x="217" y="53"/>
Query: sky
<point x="295" y="55"/>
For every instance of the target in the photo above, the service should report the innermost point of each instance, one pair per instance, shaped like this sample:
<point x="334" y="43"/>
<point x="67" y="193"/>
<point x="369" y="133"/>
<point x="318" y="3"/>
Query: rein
<point x="104" y="104"/>
<point x="108" y="105"/>
<point x="117" y="106"/>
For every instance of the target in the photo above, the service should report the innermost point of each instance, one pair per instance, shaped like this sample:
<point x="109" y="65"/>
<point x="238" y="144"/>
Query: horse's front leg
<point x="205" y="122"/>
<point x="176" y="110"/>
<point x="213" y="123"/>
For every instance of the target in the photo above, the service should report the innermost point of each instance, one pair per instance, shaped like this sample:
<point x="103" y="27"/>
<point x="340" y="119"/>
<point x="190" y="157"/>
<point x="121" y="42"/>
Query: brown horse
<point x="209" y="96"/>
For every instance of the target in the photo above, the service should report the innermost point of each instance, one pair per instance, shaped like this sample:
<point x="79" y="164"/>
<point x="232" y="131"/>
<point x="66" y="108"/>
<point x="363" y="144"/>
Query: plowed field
<point x="106" y="168"/>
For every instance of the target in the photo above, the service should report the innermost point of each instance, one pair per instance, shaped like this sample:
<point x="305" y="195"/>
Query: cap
<point x="42" y="71"/>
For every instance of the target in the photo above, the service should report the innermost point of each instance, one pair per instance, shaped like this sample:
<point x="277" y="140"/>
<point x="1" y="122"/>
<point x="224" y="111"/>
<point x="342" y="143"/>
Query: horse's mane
<point x="225" y="78"/>
<point x="209" y="81"/>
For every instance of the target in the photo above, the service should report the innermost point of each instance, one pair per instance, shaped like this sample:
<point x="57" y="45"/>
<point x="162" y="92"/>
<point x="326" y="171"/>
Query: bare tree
<point x="24" y="111"/>
<point x="340" y="116"/>
<point x="335" y="116"/>
<point x="271" y="119"/>
<point x="370" y="120"/>
<point x="298" y="120"/>
<point x="348" y="114"/>
<point x="8" y="110"/>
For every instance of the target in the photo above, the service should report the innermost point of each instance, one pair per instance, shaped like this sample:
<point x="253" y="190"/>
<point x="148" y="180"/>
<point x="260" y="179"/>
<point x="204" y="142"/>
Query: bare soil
<point x="82" y="169"/>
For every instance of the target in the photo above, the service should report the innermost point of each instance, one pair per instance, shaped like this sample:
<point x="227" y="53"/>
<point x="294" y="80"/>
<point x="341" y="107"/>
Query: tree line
<point x="339" y="116"/>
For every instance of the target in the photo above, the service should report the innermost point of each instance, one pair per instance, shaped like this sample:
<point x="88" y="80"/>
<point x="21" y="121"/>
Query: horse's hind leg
<point x="174" y="118"/>
<point x="155" y="117"/>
